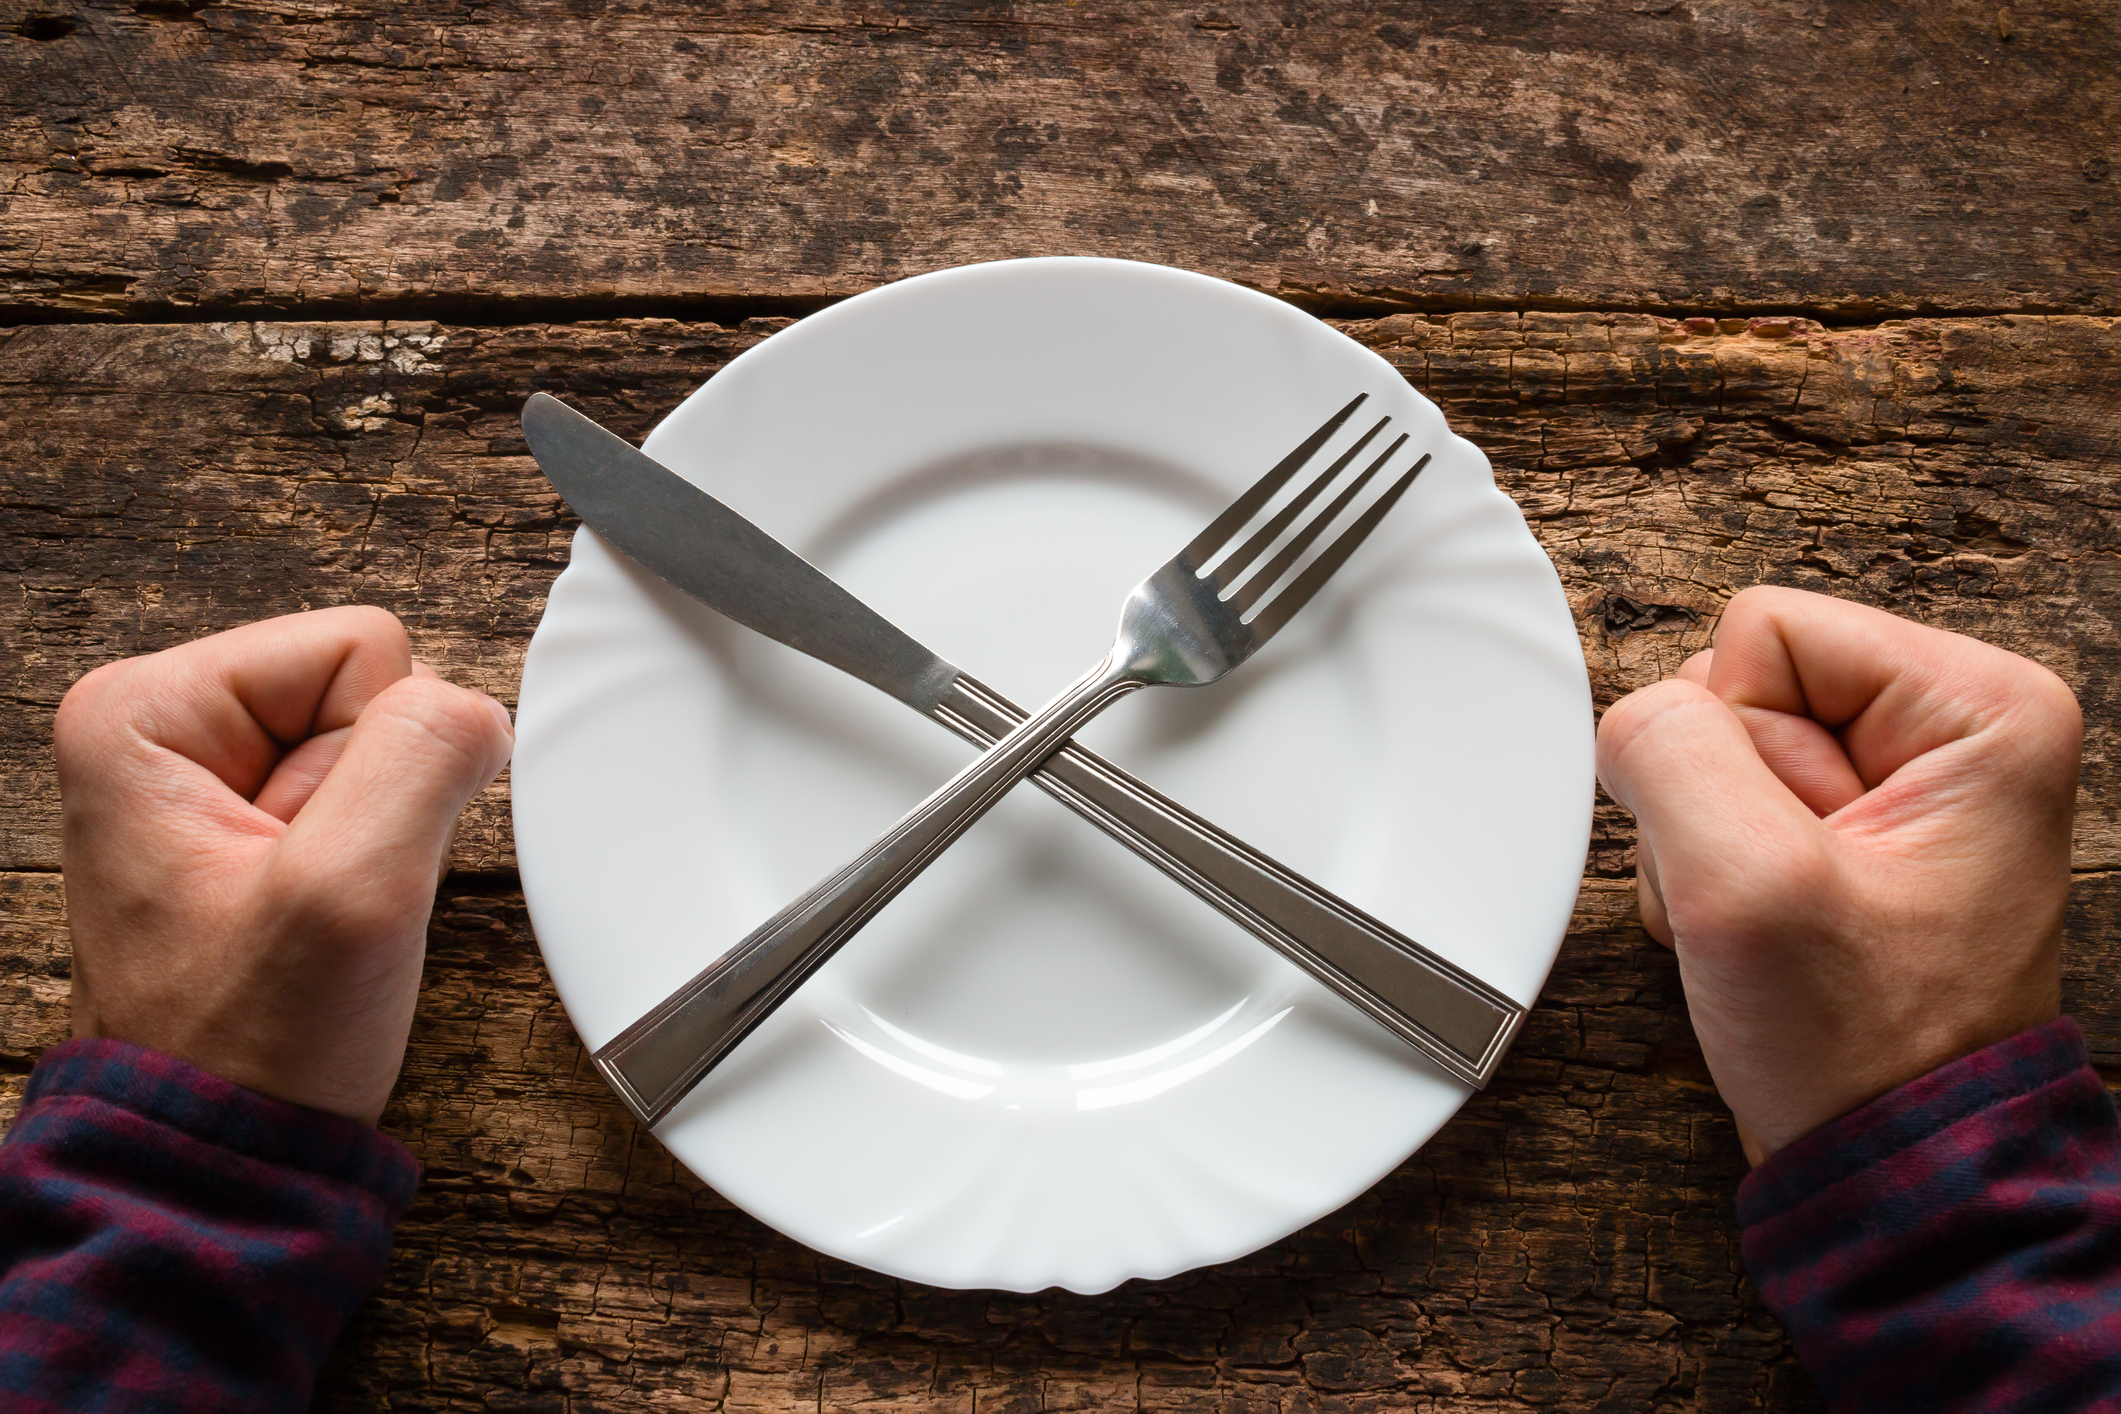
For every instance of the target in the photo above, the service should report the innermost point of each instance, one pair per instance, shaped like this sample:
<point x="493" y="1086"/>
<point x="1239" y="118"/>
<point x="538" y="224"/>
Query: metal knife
<point x="692" y="541"/>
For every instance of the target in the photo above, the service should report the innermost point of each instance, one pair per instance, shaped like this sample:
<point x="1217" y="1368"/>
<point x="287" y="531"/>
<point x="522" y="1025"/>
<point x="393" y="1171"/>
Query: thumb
<point x="380" y="819"/>
<point x="1719" y="824"/>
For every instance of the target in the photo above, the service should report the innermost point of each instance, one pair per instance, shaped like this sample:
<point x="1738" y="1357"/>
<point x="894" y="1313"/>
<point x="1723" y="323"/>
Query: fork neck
<point x="1045" y="731"/>
<point x="1091" y="694"/>
<point x="969" y="793"/>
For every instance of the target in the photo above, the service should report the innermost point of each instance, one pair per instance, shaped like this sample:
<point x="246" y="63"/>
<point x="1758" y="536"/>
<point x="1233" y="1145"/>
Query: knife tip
<point x="540" y="407"/>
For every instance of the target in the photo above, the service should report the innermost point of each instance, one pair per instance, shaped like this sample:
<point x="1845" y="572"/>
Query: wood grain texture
<point x="1566" y="1242"/>
<point x="1861" y="158"/>
<point x="172" y="480"/>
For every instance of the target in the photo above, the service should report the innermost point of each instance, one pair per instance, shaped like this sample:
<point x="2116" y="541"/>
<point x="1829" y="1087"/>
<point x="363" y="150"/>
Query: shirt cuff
<point x="173" y="1093"/>
<point x="1953" y="1245"/>
<point x="1900" y="1120"/>
<point x="169" y="1240"/>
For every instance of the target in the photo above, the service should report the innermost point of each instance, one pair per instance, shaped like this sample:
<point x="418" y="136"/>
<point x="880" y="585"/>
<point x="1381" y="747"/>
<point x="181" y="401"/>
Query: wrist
<point x="200" y="1107"/>
<point x="310" y="1076"/>
<point x="1879" y="1064"/>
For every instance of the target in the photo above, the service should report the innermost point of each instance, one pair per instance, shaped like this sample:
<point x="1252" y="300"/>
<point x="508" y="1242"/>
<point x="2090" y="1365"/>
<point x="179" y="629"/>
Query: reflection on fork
<point x="1185" y="625"/>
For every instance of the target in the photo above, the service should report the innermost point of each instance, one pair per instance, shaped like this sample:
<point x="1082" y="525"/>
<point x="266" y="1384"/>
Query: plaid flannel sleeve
<point x="1955" y="1245"/>
<point x="171" y="1242"/>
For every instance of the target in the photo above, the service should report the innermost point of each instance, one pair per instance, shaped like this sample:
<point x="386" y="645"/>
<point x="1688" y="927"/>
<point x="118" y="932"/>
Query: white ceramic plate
<point x="1046" y="1064"/>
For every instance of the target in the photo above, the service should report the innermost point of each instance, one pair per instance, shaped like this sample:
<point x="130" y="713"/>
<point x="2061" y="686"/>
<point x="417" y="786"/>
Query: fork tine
<point x="1232" y="567"/>
<point x="1246" y="506"/>
<point x="1320" y="570"/>
<point x="1270" y="574"/>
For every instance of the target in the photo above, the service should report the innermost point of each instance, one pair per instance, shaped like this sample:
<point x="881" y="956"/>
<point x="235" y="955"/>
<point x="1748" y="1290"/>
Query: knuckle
<point x="2053" y="698"/>
<point x="1626" y="721"/>
<point x="2053" y="720"/>
<point x="372" y="624"/>
<point x="1634" y="722"/>
<point x="455" y="719"/>
<point x="1755" y="605"/>
<point x="84" y="713"/>
<point x="1758" y="597"/>
<point x="95" y="685"/>
<point x="1625" y="714"/>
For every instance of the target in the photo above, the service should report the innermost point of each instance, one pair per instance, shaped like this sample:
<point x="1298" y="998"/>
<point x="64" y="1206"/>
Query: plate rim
<point x="673" y="424"/>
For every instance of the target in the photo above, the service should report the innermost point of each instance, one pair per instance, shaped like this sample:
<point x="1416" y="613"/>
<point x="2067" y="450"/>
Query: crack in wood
<point x="252" y="158"/>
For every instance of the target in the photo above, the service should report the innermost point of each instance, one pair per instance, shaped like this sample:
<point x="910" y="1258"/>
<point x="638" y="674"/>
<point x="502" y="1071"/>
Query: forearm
<point x="170" y="1240"/>
<point x="1956" y="1244"/>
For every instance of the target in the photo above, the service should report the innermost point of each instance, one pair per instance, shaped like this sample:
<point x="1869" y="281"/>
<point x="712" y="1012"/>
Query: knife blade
<point x="689" y="539"/>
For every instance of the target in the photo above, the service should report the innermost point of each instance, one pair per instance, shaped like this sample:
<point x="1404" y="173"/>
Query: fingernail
<point x="507" y="725"/>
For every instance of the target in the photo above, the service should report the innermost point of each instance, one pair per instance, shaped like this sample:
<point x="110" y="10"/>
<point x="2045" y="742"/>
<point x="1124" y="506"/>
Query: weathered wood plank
<point x="1680" y="156"/>
<point x="1567" y="1239"/>
<point x="166" y="481"/>
<point x="1566" y="1242"/>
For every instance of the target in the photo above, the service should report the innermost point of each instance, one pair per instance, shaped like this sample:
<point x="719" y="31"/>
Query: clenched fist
<point x="254" y="827"/>
<point x="1855" y="831"/>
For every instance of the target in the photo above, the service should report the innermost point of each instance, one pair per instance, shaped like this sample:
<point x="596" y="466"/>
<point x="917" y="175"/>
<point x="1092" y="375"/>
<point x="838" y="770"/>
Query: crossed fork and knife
<point x="1200" y="615"/>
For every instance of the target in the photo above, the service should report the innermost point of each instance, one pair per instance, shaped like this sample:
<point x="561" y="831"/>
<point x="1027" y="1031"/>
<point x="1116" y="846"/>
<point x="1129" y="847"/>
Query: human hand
<point x="254" y="825"/>
<point x="1855" y="831"/>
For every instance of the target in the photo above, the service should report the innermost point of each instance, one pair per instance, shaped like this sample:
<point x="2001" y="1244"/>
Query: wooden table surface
<point x="1731" y="291"/>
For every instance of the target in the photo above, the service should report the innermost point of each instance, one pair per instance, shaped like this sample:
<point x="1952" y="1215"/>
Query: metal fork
<point x="1185" y="625"/>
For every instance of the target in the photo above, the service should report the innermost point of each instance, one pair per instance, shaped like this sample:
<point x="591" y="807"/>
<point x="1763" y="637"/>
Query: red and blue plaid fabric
<point x="170" y="1242"/>
<point x="1954" y="1246"/>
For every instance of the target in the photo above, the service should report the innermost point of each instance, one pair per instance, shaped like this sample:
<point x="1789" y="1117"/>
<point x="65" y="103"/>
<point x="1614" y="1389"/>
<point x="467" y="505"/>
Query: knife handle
<point x="1439" y="1008"/>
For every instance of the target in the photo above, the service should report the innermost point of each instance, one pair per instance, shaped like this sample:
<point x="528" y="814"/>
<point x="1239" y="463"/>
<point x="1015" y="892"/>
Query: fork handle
<point x="1447" y="1013"/>
<point x="655" y="1062"/>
